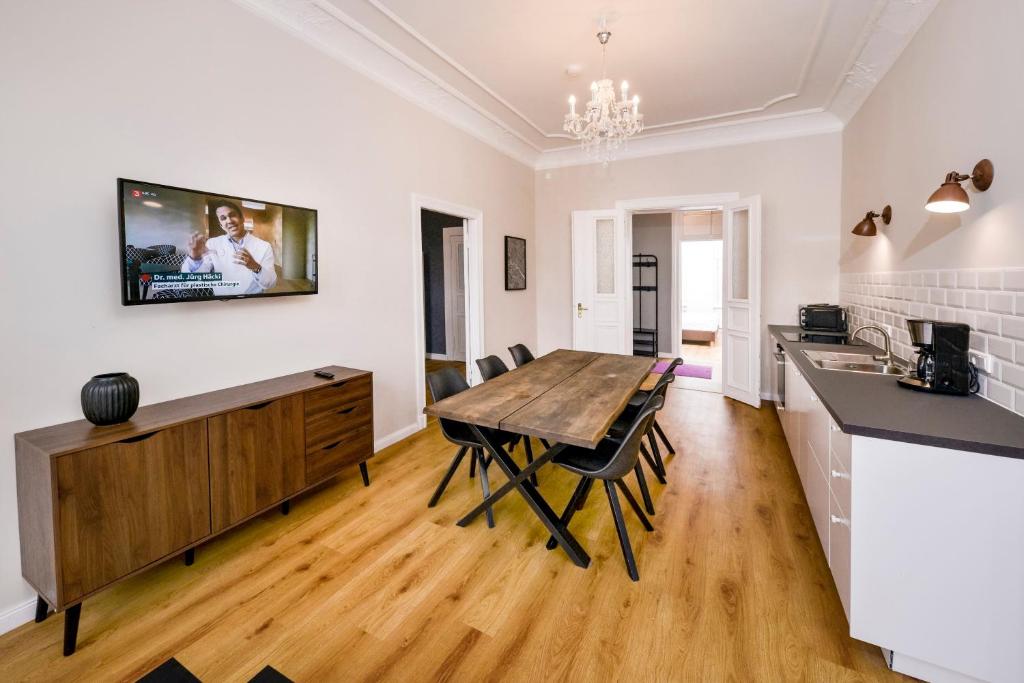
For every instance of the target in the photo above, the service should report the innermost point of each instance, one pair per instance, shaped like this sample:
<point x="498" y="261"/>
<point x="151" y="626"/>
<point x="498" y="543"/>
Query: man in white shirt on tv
<point x="239" y="256"/>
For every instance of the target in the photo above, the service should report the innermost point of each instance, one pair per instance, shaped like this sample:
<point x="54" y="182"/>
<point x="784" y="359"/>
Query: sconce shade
<point x="949" y="198"/>
<point x="867" y="227"/>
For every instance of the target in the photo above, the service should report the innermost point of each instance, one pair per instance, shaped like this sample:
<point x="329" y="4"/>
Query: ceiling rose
<point x="606" y="122"/>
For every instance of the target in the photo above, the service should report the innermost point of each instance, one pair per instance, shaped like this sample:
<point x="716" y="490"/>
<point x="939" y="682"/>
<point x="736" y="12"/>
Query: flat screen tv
<point x="184" y="245"/>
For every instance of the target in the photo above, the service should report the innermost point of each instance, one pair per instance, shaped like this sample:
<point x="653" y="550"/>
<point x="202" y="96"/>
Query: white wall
<point x="798" y="180"/>
<point x="951" y="99"/>
<point x="203" y="94"/>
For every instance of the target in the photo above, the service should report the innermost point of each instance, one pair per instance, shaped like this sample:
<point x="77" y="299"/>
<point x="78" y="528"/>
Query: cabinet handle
<point x="836" y="519"/>
<point x="259" y="406"/>
<point x="346" y="411"/>
<point x="813" y="398"/>
<point x="137" y="439"/>
<point x="332" y="446"/>
<point x="836" y="474"/>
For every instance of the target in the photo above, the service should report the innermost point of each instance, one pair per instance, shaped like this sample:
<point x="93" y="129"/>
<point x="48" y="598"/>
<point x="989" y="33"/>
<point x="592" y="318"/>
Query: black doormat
<point x="173" y="671"/>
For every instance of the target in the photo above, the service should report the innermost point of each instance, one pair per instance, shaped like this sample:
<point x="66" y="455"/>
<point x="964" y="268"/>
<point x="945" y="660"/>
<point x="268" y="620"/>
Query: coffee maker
<point x="943" y="364"/>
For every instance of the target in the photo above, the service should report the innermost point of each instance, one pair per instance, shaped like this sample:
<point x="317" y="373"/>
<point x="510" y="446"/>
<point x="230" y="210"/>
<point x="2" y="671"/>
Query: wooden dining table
<point x="569" y="398"/>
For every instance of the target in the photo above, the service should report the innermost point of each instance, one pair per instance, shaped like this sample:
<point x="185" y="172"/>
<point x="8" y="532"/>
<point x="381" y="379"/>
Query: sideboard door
<point x="127" y="504"/>
<point x="257" y="458"/>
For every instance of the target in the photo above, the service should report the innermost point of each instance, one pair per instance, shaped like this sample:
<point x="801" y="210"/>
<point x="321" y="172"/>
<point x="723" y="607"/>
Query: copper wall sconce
<point x="867" y="227"/>
<point x="951" y="196"/>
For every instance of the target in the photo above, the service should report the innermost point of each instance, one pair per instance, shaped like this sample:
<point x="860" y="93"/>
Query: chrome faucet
<point x="887" y="356"/>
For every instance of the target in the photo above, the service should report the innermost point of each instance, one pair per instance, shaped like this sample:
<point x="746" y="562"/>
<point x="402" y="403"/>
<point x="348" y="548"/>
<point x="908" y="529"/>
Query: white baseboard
<point x="396" y="436"/>
<point x="14" y="617"/>
<point x="437" y="356"/>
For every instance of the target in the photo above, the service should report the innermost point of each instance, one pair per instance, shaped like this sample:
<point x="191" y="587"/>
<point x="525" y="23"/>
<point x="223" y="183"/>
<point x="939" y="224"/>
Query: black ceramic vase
<point x="110" y="398"/>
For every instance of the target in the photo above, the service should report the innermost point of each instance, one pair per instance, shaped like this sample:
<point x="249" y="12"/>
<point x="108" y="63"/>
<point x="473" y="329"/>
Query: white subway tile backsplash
<point x="1000" y="303"/>
<point x="990" y="279"/>
<point x="991" y="301"/>
<point x="1013" y="279"/>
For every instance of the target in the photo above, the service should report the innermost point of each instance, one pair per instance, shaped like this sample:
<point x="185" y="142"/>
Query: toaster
<point x="823" y="318"/>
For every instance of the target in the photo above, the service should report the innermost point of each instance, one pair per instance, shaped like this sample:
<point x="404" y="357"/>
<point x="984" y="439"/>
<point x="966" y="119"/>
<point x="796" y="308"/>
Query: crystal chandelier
<point x="606" y="122"/>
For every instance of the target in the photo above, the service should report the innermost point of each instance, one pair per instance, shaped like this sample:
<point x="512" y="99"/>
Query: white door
<point x="454" y="294"/>
<point x="741" y="315"/>
<point x="598" y="282"/>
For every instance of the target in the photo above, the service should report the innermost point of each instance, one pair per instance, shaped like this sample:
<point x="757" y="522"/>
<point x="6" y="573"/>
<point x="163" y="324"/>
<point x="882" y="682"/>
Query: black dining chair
<point x="448" y="382"/>
<point x="641" y="396"/>
<point x="621" y="427"/>
<point x="491" y="367"/>
<point x="520" y="355"/>
<point x="610" y="462"/>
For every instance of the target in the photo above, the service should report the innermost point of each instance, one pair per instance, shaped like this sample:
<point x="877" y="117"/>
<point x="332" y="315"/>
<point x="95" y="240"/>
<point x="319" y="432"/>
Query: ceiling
<point x="696" y="64"/>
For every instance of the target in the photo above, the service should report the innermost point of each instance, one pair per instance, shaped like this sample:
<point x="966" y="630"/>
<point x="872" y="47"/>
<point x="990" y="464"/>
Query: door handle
<point x="579" y="310"/>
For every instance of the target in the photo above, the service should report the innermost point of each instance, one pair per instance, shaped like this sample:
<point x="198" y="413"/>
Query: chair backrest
<point x="520" y="355"/>
<point x="668" y="376"/>
<point x="625" y="457"/>
<point x="444" y="383"/>
<point x="491" y="367"/>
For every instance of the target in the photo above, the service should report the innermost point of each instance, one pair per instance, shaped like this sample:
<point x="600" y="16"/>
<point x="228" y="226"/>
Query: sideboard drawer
<point x="333" y="424"/>
<point x="129" y="503"/>
<point x="336" y="396"/>
<point x="325" y="461"/>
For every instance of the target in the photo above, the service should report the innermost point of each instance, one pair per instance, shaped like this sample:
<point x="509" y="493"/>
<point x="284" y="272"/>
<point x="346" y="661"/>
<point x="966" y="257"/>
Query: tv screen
<point x="184" y="245"/>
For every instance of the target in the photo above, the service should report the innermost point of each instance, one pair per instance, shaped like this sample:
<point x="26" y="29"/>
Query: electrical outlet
<point x="984" y="362"/>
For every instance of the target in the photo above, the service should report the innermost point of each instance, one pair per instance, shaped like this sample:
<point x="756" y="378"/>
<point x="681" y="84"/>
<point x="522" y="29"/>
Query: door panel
<point x="125" y="505"/>
<point x="599" y="289"/>
<point x="455" y="293"/>
<point x="741" y="347"/>
<point x="257" y="458"/>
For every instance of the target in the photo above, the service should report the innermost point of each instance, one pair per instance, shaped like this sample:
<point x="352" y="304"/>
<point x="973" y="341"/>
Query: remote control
<point x="324" y="374"/>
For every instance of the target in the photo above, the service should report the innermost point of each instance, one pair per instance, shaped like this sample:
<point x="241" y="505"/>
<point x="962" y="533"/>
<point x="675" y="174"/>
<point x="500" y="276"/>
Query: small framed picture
<point x="515" y="263"/>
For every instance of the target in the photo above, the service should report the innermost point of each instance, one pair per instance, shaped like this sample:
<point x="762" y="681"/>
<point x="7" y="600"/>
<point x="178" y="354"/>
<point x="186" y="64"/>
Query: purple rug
<point x="684" y="370"/>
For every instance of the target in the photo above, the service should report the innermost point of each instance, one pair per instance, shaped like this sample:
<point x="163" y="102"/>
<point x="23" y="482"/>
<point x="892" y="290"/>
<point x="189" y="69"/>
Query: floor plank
<point x="369" y="584"/>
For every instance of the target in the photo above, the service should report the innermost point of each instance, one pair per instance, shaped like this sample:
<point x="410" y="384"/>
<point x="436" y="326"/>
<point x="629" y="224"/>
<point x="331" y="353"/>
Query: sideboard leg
<point x="190" y="557"/>
<point x="286" y="507"/>
<point x="71" y="615"/>
<point x="365" y="472"/>
<point x="42" y="609"/>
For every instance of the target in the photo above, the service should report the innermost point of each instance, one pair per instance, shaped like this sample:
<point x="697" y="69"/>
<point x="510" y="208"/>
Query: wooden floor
<point x="369" y="584"/>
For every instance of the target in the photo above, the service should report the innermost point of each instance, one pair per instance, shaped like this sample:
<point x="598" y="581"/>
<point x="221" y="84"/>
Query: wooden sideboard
<point x="99" y="504"/>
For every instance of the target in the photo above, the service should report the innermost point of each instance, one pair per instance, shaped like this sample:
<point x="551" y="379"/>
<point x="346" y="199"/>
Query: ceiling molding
<point x="799" y="124"/>
<point x="801" y="79"/>
<point x="330" y="30"/>
<point x="892" y="26"/>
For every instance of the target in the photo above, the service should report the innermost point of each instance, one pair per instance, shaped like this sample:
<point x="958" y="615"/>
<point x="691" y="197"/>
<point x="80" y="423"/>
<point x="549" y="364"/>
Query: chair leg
<point x="547" y="446"/>
<point x="456" y="461"/>
<point x="635" y="505"/>
<point x="661" y="433"/>
<point x="656" y="451"/>
<point x="529" y="458"/>
<point x="641" y="481"/>
<point x="650" y="463"/>
<point x="620" y="527"/>
<point x="485" y="485"/>
<point x="472" y="464"/>
<point x="574" y="504"/>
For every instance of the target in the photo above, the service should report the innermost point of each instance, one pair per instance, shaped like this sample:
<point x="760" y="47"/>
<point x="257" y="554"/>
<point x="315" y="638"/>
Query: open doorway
<point x="444" y="291"/>
<point x="447" y="290"/>
<point x="677" y="264"/>
<point x="699" y="299"/>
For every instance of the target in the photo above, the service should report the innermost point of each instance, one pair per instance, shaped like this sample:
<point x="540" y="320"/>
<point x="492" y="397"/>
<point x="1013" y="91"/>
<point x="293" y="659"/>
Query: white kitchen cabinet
<point x="924" y="544"/>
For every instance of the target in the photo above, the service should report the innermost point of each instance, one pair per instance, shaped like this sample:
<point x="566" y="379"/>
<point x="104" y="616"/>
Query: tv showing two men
<point x="183" y="245"/>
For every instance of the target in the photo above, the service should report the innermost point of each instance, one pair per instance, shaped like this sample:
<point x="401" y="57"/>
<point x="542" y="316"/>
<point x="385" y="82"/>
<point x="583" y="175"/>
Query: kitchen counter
<point x="875" y="406"/>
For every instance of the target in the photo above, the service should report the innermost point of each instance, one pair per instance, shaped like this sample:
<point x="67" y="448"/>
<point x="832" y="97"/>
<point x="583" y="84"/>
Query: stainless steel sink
<point x="852" y="362"/>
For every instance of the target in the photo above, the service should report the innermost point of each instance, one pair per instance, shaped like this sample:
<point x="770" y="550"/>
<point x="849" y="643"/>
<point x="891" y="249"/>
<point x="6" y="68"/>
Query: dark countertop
<point x="875" y="406"/>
